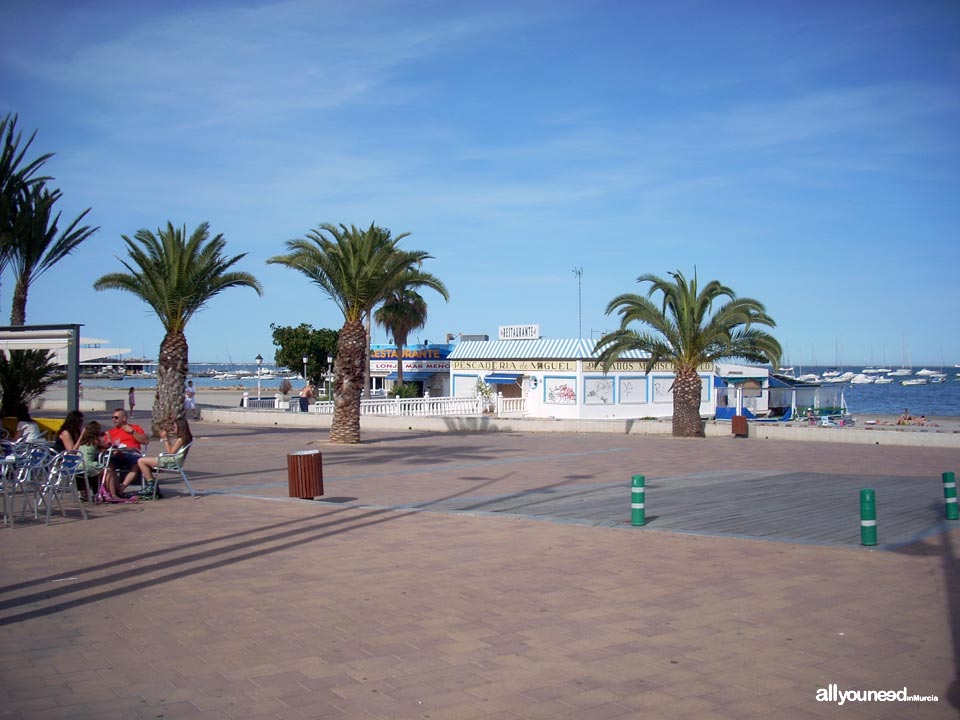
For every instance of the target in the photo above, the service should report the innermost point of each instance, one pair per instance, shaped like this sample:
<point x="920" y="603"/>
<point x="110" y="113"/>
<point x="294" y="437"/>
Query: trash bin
<point x="740" y="426"/>
<point x="305" y="474"/>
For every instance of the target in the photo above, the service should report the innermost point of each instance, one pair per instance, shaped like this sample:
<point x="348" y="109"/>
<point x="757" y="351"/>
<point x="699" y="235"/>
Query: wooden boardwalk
<point x="797" y="507"/>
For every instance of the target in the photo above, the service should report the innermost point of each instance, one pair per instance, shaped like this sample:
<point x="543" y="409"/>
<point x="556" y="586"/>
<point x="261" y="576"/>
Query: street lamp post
<point x="305" y="358"/>
<point x="329" y="373"/>
<point x="259" y="359"/>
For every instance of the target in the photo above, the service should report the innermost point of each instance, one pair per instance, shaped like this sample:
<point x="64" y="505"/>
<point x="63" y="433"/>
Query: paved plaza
<point x="493" y="576"/>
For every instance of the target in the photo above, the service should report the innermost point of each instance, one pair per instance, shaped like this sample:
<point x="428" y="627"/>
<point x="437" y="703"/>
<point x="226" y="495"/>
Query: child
<point x="92" y="442"/>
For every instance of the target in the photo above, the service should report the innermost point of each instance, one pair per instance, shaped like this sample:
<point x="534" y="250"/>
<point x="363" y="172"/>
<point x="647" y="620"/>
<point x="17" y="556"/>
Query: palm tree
<point x="356" y="269"/>
<point x="686" y="336"/>
<point x="16" y="178"/>
<point x="403" y="311"/>
<point x="176" y="276"/>
<point x="36" y="247"/>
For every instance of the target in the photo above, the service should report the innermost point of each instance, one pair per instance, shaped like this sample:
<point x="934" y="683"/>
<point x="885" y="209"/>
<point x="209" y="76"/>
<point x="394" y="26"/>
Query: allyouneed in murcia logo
<point x="832" y="693"/>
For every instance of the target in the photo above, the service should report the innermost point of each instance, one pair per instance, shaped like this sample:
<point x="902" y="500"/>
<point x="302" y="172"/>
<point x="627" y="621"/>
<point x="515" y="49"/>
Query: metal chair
<point x="32" y="469"/>
<point x="62" y="479"/>
<point x="7" y="472"/>
<point x="175" y="462"/>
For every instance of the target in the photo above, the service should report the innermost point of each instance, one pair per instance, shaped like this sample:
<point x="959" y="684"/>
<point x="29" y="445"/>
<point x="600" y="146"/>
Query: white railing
<point x="263" y="403"/>
<point x="510" y="406"/>
<point x="411" y="407"/>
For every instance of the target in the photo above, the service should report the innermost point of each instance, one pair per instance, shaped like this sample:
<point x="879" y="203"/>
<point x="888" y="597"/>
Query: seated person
<point x="92" y="442"/>
<point x="68" y="436"/>
<point x="27" y="429"/>
<point x="175" y="437"/>
<point x="129" y="440"/>
<point x="905" y="418"/>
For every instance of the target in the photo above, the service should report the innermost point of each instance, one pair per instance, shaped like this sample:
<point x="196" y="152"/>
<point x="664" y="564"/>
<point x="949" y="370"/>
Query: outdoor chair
<point x="32" y="469"/>
<point x="61" y="480"/>
<point x="174" y="466"/>
<point x="7" y="472"/>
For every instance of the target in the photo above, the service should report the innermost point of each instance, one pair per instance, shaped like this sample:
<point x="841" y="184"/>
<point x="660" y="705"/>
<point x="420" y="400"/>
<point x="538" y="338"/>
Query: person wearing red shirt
<point x="130" y="438"/>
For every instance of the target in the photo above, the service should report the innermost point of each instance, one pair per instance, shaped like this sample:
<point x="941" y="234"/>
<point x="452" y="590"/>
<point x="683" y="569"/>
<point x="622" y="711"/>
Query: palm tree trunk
<point x="171" y="378"/>
<point x="686" y="404"/>
<point x="18" y="308"/>
<point x="399" y="363"/>
<point x="348" y="383"/>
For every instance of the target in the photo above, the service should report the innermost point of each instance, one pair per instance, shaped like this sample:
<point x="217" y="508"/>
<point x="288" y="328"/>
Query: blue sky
<point x="805" y="154"/>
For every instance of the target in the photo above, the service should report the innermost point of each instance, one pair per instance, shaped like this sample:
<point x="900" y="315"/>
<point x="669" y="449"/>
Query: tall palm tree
<point x="36" y="247"/>
<point x="176" y="276"/>
<point x="403" y="311"/>
<point x="685" y="335"/>
<point x="16" y="178"/>
<point x="356" y="269"/>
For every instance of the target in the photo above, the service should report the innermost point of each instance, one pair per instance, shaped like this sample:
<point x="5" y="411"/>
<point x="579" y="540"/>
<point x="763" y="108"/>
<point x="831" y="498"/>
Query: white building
<point x="561" y="379"/>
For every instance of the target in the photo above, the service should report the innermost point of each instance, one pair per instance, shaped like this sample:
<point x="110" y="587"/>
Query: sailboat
<point x="905" y="369"/>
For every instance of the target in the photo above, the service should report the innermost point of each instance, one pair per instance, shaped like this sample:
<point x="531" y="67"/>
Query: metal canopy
<point x="49" y="337"/>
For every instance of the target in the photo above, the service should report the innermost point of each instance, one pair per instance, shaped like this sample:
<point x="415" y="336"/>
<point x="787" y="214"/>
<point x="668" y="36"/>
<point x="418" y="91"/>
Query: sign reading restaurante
<point x="519" y="332"/>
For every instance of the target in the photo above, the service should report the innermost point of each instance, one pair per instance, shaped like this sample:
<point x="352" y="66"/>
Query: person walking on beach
<point x="131" y="400"/>
<point x="190" y="400"/>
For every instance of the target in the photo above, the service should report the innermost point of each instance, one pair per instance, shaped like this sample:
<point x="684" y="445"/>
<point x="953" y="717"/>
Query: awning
<point x="411" y="376"/>
<point x="502" y="378"/>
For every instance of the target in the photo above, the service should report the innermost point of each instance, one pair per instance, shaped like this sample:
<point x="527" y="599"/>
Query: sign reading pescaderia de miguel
<point x="519" y="332"/>
<point x="515" y="365"/>
<point x="562" y="365"/>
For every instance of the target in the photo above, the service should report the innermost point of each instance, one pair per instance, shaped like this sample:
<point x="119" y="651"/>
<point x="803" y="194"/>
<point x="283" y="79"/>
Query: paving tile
<point x="232" y="607"/>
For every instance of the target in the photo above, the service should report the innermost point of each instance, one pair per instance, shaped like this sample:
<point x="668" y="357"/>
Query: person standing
<point x="190" y="400"/>
<point x="306" y="395"/>
<point x="131" y="400"/>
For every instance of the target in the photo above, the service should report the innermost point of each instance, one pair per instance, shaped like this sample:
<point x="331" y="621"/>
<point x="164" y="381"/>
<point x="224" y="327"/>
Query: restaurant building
<point x="426" y="365"/>
<point x="561" y="378"/>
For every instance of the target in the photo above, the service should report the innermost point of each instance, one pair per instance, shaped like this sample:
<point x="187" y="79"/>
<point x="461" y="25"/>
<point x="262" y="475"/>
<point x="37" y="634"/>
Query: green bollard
<point x="637" y="510"/>
<point x="868" y="517"/>
<point x="950" y="496"/>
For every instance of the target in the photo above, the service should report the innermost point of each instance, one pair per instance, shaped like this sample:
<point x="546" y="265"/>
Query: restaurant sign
<point x="519" y="332"/>
<point x="380" y="365"/>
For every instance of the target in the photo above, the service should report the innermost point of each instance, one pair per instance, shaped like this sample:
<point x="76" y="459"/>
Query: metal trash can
<point x="739" y="426"/>
<point x="305" y="474"/>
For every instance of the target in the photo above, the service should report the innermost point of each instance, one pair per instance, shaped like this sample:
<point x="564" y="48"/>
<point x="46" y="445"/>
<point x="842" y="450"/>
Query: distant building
<point x="425" y="364"/>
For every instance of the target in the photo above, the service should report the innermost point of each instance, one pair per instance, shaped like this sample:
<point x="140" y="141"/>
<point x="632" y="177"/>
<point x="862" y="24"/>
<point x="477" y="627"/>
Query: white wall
<point x="579" y="395"/>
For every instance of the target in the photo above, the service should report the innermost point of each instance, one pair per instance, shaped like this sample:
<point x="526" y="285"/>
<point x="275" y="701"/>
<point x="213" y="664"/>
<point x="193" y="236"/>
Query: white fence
<point x="431" y="406"/>
<point x="513" y="407"/>
<point x="404" y="407"/>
